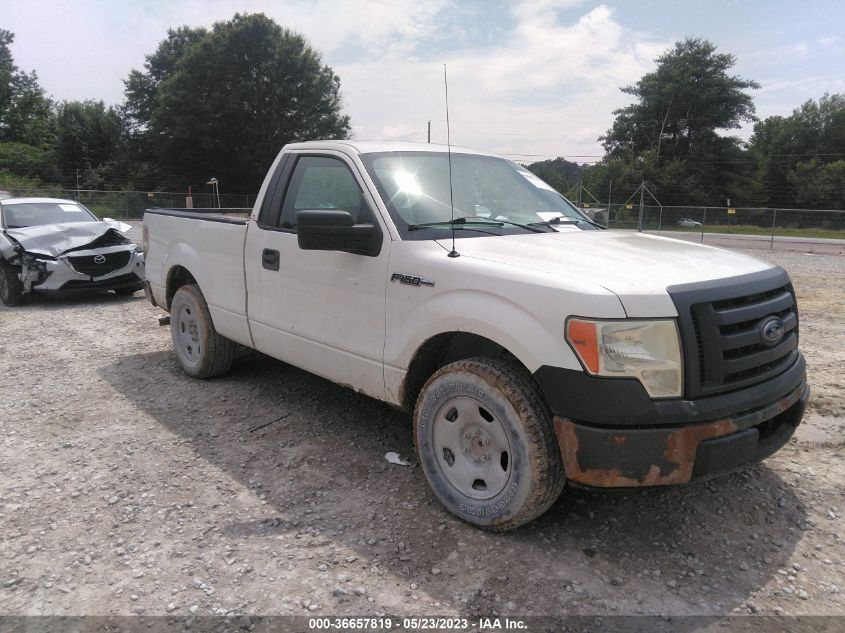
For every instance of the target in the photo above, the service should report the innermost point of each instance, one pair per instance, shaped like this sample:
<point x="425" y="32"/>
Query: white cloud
<point x="376" y="25"/>
<point x="548" y="88"/>
<point x="541" y="85"/>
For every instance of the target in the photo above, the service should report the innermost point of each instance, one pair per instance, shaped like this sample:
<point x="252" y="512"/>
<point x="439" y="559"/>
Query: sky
<point x="531" y="79"/>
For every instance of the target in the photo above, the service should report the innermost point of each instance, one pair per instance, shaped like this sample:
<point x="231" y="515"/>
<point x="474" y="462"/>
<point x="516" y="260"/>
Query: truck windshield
<point x="491" y="195"/>
<point x="22" y="214"/>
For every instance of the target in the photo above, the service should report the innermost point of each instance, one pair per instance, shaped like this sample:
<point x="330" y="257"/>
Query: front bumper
<point x="624" y="402"/>
<point x="61" y="276"/>
<point x="626" y="457"/>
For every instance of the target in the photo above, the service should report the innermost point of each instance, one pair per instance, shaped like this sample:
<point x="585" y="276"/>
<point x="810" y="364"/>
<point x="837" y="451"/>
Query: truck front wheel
<point x="201" y="351"/>
<point x="486" y="444"/>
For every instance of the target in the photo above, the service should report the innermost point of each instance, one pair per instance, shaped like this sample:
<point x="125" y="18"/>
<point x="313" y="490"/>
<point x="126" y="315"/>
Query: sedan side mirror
<point x="334" y="230"/>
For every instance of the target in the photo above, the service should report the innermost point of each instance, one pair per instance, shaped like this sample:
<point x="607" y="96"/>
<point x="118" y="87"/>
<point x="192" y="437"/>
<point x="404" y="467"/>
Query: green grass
<point x="745" y="229"/>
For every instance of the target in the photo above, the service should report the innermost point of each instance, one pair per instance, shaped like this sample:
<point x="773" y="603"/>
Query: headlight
<point x="647" y="350"/>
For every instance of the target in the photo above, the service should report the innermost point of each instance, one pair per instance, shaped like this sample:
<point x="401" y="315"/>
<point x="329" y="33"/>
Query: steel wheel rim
<point x="472" y="448"/>
<point x="188" y="333"/>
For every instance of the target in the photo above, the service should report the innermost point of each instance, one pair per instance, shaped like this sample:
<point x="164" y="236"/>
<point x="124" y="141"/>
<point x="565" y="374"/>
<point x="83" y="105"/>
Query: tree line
<point x="216" y="102"/>
<point x="220" y="102"/>
<point x="673" y="138"/>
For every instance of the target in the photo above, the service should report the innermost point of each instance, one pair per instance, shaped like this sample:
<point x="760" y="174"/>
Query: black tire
<point x="201" y="351"/>
<point x="11" y="288"/>
<point x="497" y="403"/>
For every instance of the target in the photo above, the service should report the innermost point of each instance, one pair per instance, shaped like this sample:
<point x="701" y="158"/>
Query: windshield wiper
<point x="562" y="219"/>
<point x="469" y="220"/>
<point x="462" y="220"/>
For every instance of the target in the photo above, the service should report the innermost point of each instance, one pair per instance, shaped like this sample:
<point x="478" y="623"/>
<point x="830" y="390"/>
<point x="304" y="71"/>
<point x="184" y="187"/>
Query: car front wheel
<point x="11" y="288"/>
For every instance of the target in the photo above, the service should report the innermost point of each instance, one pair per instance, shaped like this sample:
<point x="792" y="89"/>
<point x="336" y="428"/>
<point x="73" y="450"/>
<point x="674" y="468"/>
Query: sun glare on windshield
<point x="407" y="183"/>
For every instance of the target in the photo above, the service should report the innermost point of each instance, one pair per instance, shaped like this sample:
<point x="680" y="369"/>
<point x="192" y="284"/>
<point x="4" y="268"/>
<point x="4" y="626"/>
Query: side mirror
<point x="333" y="230"/>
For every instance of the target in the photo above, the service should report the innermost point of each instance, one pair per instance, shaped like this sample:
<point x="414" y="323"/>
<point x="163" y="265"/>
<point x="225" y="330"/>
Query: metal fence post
<point x="774" y="223"/>
<point x="703" y="220"/>
<point x="642" y="210"/>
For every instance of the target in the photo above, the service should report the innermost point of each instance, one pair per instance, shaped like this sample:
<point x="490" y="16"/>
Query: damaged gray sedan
<point x="51" y="245"/>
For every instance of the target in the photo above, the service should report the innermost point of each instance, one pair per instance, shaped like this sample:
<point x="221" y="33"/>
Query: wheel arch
<point x="177" y="276"/>
<point x="448" y="347"/>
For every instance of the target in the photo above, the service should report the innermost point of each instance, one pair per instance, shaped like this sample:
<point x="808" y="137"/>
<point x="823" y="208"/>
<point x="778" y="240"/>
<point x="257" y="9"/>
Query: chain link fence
<point x="792" y="225"/>
<point x="710" y="223"/>
<point x="131" y="204"/>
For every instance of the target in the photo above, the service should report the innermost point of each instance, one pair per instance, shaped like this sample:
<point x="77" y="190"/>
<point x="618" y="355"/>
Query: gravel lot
<point x="127" y="488"/>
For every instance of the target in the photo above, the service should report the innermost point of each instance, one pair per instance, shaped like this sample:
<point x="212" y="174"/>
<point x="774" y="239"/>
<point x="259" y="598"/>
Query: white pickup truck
<point x="532" y="346"/>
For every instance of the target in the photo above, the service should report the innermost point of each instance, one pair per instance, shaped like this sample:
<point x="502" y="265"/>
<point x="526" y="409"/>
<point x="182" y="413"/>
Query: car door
<point x="323" y="311"/>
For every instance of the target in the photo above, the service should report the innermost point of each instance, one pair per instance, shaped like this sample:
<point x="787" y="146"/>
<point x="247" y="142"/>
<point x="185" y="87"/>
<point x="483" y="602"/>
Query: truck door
<point x="323" y="311"/>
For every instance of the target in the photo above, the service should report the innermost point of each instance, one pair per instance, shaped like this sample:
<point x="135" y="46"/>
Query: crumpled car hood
<point x="54" y="239"/>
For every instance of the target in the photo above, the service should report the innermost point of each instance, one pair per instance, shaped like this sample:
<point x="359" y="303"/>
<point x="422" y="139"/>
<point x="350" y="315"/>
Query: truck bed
<point x="208" y="244"/>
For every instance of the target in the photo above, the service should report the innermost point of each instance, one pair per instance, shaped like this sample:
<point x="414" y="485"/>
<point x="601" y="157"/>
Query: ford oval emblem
<point x="99" y="259"/>
<point x="771" y="331"/>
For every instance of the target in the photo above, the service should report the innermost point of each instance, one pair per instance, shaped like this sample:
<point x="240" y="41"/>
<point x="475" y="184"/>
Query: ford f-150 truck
<point x="532" y="346"/>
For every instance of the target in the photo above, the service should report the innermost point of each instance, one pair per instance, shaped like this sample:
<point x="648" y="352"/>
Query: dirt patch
<point x="127" y="487"/>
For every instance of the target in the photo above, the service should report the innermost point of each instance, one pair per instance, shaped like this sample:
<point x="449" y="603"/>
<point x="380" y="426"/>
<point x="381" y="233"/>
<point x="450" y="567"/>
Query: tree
<point x="141" y="88"/>
<point x="27" y="161"/>
<point x="792" y="152"/>
<point x="818" y="184"/>
<point x="88" y="135"/>
<point x="670" y="137"/>
<point x="27" y="122"/>
<point x="7" y="68"/>
<point x="559" y="173"/>
<point x="222" y="103"/>
<point x="682" y="103"/>
<point x="26" y="114"/>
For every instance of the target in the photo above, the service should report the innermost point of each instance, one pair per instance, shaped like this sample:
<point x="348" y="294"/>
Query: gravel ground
<point x="127" y="488"/>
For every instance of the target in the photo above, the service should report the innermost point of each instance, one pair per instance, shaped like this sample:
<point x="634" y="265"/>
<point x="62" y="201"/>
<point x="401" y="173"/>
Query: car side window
<point x="322" y="182"/>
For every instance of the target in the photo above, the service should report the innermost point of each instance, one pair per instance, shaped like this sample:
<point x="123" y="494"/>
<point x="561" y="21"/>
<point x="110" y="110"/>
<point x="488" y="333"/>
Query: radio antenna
<point x="453" y="252"/>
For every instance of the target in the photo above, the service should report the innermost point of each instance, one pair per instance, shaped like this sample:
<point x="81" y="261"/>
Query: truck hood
<point x="54" y="239"/>
<point x="636" y="267"/>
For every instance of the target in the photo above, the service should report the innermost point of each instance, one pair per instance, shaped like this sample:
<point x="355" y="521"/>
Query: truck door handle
<point x="270" y="259"/>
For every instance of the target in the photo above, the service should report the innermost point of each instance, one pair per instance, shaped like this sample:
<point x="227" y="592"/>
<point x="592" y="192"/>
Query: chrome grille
<point x="91" y="264"/>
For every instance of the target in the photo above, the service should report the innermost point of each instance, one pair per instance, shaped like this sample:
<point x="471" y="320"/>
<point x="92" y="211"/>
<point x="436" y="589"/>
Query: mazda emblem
<point x="99" y="259"/>
<point x="771" y="331"/>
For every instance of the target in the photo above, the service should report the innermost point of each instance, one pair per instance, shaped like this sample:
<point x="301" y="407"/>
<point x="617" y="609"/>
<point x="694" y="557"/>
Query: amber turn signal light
<point x="582" y="336"/>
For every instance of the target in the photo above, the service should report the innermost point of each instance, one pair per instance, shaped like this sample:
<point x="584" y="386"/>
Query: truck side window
<point x="322" y="182"/>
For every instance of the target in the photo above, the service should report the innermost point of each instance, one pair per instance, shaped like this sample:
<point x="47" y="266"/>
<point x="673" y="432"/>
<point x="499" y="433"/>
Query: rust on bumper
<point x="620" y="458"/>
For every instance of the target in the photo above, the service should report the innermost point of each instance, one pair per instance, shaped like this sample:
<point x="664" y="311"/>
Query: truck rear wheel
<point x="486" y="444"/>
<point x="201" y="351"/>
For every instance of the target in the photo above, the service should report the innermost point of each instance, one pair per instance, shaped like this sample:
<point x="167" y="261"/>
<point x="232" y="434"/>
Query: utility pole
<point x="579" y="193"/>
<point x="429" y="131"/>
<point x="77" y="184"/>
<point x="609" y="197"/>
<point x="642" y="195"/>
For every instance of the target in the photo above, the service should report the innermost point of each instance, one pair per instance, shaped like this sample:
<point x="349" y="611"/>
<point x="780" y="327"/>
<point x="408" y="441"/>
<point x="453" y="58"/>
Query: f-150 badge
<point x="410" y="280"/>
